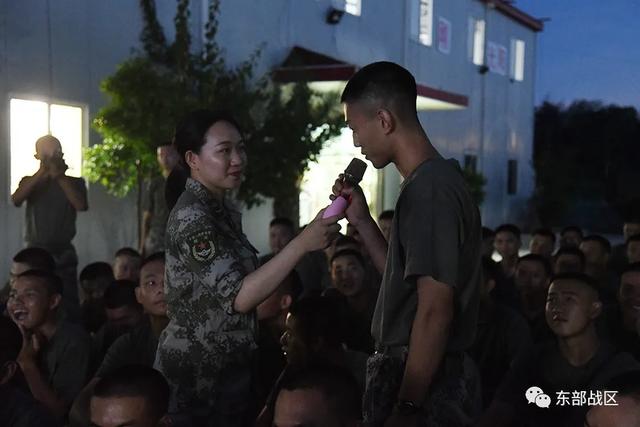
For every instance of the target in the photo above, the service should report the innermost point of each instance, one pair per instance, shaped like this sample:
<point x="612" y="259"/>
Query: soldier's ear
<point x="192" y="159"/>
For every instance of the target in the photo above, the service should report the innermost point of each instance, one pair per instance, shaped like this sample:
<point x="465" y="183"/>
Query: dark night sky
<point x="590" y="49"/>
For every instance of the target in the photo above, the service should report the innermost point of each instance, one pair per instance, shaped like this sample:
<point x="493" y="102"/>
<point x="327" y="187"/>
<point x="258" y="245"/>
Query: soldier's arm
<point x="75" y="193"/>
<point x="26" y="186"/>
<point x="428" y="338"/>
<point x="258" y="285"/>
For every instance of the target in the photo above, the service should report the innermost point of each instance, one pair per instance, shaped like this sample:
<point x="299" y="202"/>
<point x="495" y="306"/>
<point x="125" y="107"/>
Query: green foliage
<point x="151" y="91"/>
<point x="476" y="182"/>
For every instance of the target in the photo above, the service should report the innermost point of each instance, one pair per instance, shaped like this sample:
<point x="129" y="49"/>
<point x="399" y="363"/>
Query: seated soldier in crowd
<point x="132" y="395"/>
<point x="311" y="269"/>
<point x="384" y="222"/>
<point x="27" y="259"/>
<point x="126" y="264"/>
<point x="488" y="237"/>
<point x="272" y="313"/>
<point x="123" y="313"/>
<point x="571" y="237"/>
<point x="543" y="242"/>
<point x="137" y="347"/>
<point x="578" y="360"/>
<point x="533" y="275"/>
<point x="55" y="354"/>
<point x="348" y="278"/>
<point x="569" y="259"/>
<point x="319" y="396"/>
<point x="597" y="252"/>
<point x="626" y="411"/>
<point x="314" y="334"/>
<point x="18" y="408"/>
<point x="618" y="259"/>
<point x="501" y="336"/>
<point x="94" y="279"/>
<point x="633" y="249"/>
<point x="623" y="320"/>
<point x="507" y="243"/>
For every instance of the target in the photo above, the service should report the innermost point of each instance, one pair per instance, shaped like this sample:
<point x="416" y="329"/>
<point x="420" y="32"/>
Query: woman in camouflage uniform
<point x="212" y="285"/>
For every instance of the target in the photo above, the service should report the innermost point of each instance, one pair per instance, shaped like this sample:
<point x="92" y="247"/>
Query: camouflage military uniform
<point x="204" y="351"/>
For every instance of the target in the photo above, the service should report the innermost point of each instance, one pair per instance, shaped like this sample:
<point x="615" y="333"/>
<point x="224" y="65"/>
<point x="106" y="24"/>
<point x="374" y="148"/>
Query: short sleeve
<point x="430" y="231"/>
<point x="215" y="262"/>
<point x="118" y="355"/>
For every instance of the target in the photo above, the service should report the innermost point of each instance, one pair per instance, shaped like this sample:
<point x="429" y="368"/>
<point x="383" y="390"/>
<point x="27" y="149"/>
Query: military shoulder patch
<point x="202" y="246"/>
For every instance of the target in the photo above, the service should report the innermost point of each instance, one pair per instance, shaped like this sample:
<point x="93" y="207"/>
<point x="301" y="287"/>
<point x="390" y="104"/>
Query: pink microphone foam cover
<point x="336" y="207"/>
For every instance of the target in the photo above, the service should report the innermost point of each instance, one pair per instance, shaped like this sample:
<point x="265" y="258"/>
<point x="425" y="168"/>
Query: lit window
<point x="512" y="177"/>
<point x="478" y="41"/>
<point x="353" y="7"/>
<point x="29" y="120"/>
<point x="517" y="60"/>
<point x="426" y="22"/>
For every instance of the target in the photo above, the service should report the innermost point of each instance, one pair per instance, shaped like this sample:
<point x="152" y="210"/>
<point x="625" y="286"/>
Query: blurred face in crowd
<point x="567" y="263"/>
<point x="129" y="411"/>
<point x="630" y="229"/>
<point x="541" y="245"/>
<point x="488" y="246"/>
<point x="595" y="255"/>
<point x="507" y="244"/>
<point x="123" y="318"/>
<point x="572" y="306"/>
<point x="366" y="124"/>
<point x="629" y="299"/>
<point x="126" y="267"/>
<point x="30" y="304"/>
<point x="570" y="238"/>
<point x="222" y="159"/>
<point x="304" y="407"/>
<point x="347" y="274"/>
<point x="17" y="268"/>
<point x="633" y="251"/>
<point x="532" y="283"/>
<point x="294" y="346"/>
<point x="150" y="292"/>
<point x="626" y="413"/>
<point x="279" y="236"/>
<point x="167" y="157"/>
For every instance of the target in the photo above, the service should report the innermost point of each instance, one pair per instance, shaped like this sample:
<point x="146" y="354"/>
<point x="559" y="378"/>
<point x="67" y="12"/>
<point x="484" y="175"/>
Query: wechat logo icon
<point x="537" y="396"/>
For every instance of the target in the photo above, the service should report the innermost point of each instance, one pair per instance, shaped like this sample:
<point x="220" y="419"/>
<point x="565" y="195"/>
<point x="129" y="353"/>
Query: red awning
<point x="305" y="65"/>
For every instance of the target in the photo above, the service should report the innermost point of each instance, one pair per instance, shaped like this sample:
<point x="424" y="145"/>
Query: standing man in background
<point x="53" y="199"/>
<point x="154" y="217"/>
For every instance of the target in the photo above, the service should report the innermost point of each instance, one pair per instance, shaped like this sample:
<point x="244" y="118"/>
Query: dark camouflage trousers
<point x="454" y="398"/>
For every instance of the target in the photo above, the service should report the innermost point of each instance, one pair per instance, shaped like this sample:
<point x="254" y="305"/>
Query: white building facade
<point x="474" y="61"/>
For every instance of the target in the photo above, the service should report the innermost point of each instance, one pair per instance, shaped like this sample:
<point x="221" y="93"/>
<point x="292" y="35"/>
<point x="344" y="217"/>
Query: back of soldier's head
<point x="35" y="259"/>
<point x="319" y="395"/>
<point x="384" y="85"/>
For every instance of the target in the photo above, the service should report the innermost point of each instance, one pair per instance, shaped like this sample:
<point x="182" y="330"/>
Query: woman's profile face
<point x="222" y="159"/>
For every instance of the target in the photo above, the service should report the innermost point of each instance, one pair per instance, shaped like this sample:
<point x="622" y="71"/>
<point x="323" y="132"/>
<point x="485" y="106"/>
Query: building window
<point x="477" y="28"/>
<point x="471" y="162"/>
<point x="517" y="60"/>
<point x="353" y="7"/>
<point x="512" y="177"/>
<point x="29" y="120"/>
<point x="425" y="22"/>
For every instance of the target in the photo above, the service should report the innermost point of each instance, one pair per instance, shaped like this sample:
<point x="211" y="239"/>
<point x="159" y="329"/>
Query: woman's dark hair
<point x="191" y="131"/>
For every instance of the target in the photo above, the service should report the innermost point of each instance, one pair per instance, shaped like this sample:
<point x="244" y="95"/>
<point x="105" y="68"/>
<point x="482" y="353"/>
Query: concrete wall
<point x="79" y="42"/>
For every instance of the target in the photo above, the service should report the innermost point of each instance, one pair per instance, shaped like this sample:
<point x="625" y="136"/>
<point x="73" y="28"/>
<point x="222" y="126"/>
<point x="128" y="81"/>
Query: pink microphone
<point x="353" y="175"/>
